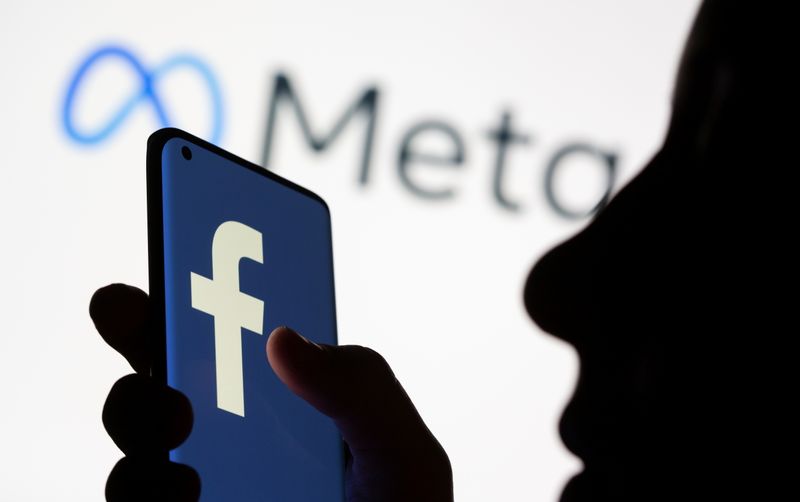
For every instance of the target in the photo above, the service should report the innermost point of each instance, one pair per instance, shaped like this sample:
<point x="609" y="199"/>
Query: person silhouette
<point x="652" y="294"/>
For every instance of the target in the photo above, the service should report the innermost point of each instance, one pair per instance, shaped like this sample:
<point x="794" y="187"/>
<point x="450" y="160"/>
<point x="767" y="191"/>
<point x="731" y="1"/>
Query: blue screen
<point x="252" y="438"/>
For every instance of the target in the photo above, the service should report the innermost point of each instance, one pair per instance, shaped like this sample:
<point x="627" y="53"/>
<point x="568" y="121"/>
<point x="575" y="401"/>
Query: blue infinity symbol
<point x="146" y="92"/>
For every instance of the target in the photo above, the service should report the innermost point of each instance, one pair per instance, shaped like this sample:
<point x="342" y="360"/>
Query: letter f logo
<point x="232" y="309"/>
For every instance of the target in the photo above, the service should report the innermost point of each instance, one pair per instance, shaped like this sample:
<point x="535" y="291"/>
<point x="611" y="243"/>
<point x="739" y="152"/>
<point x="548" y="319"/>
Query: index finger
<point x="120" y="314"/>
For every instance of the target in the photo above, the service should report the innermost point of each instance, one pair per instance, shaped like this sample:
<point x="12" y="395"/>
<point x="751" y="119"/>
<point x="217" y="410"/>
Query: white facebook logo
<point x="232" y="309"/>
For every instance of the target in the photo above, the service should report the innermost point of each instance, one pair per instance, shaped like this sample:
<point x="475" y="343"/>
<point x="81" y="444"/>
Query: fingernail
<point x="289" y="332"/>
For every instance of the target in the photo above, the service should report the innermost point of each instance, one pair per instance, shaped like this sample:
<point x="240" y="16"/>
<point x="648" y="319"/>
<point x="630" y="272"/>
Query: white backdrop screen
<point x="454" y="141"/>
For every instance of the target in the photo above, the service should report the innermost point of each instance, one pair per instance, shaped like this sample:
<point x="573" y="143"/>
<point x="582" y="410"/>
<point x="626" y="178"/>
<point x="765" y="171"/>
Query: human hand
<point x="393" y="455"/>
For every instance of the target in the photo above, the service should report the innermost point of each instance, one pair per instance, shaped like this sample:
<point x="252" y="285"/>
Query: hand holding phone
<point x="280" y="450"/>
<point x="392" y="454"/>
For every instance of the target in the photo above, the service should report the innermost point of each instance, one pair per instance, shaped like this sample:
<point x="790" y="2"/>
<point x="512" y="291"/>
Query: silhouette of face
<point x="631" y="293"/>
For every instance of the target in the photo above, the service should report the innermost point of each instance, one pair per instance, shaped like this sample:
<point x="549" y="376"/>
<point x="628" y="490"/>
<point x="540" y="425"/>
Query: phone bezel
<point x="157" y="339"/>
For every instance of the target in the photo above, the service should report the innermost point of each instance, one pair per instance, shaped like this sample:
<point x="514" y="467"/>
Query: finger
<point x="120" y="314"/>
<point x="354" y="386"/>
<point x="135" y="480"/>
<point x="146" y="418"/>
<point x="394" y="455"/>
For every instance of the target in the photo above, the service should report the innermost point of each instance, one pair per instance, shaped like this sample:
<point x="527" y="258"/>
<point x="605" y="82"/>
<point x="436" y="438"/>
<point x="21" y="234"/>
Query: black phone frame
<point x="157" y="339"/>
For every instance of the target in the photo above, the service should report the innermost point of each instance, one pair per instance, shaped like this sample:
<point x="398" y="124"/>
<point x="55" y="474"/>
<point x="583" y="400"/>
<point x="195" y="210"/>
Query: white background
<point x="434" y="286"/>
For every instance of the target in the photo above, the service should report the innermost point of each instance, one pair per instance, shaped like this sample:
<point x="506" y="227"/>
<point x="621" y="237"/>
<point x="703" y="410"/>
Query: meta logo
<point x="146" y="93"/>
<point x="412" y="160"/>
<point x="232" y="310"/>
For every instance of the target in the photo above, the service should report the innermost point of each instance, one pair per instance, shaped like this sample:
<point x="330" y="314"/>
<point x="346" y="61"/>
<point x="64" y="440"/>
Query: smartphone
<point x="234" y="252"/>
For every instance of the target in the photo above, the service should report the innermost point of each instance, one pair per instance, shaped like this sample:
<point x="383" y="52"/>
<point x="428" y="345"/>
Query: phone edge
<point x="157" y="339"/>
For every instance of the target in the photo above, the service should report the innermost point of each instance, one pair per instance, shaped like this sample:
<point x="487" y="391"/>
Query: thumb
<point x="394" y="455"/>
<point x="354" y="386"/>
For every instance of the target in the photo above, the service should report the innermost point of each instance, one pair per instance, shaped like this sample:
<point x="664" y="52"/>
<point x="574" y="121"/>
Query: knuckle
<point x="360" y="365"/>
<point x="142" y="415"/>
<point x="124" y="413"/>
<point x="151" y="479"/>
<point x="122" y="392"/>
<point x="373" y="363"/>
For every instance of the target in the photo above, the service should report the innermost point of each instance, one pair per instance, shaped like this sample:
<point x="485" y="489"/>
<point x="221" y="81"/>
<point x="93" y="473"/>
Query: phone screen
<point x="243" y="253"/>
